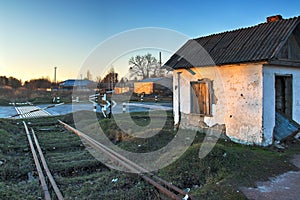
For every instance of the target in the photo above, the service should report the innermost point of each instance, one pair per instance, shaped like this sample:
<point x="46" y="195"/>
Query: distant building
<point x="121" y="90"/>
<point x="77" y="84"/>
<point x="154" y="86"/>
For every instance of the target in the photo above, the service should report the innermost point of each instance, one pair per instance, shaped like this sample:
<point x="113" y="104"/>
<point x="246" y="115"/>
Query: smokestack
<point x="55" y="74"/>
<point x="274" y="18"/>
<point x="160" y="59"/>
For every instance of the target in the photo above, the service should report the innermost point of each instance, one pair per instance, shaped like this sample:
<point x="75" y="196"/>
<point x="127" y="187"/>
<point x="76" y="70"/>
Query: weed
<point x="80" y="176"/>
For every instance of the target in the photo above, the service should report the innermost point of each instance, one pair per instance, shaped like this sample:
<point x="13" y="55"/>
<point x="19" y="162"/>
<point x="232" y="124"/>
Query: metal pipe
<point x="178" y="88"/>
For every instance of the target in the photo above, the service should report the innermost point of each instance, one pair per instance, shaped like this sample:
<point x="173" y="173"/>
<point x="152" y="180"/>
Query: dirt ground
<point x="285" y="186"/>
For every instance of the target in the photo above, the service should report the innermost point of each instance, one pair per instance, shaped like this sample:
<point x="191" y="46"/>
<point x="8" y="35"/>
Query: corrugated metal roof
<point x="75" y="83"/>
<point x="257" y="43"/>
<point x="161" y="81"/>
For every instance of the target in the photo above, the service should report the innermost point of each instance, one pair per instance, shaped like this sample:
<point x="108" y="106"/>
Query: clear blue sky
<point x="37" y="35"/>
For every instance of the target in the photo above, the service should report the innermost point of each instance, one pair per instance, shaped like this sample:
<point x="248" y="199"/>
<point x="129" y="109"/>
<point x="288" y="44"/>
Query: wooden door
<point x="200" y="98"/>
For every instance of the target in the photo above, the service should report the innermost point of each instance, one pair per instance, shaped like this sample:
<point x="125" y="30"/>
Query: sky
<point x="36" y="36"/>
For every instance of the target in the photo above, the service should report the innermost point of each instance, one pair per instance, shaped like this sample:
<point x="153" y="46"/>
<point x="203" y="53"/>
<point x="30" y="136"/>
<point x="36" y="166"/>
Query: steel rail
<point x="44" y="163"/>
<point x="98" y="145"/>
<point x="133" y="167"/>
<point x="37" y="164"/>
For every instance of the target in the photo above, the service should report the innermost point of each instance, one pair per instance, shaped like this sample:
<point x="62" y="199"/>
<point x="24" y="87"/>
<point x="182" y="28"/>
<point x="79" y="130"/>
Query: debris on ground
<point x="297" y="136"/>
<point x="186" y="197"/>
<point x="114" y="180"/>
<point x="278" y="145"/>
<point x="30" y="176"/>
<point x="285" y="128"/>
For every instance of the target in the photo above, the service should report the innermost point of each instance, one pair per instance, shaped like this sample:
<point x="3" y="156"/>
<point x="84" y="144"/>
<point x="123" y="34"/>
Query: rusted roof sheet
<point x="253" y="44"/>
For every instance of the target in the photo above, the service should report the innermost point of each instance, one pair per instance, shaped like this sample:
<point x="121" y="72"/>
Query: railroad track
<point x="35" y="146"/>
<point x="32" y="111"/>
<point x="66" y="157"/>
<point x="163" y="186"/>
<point x="170" y="190"/>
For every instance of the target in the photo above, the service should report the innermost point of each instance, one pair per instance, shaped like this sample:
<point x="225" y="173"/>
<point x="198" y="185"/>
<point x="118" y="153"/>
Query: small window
<point x="201" y="97"/>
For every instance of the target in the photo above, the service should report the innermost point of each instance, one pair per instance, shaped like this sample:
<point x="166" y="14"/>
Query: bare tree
<point x="88" y="75"/>
<point x="145" y="67"/>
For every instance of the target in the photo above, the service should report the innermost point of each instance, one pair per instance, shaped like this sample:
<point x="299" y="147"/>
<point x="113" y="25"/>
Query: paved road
<point x="7" y="111"/>
<point x="31" y="111"/>
<point x="283" y="187"/>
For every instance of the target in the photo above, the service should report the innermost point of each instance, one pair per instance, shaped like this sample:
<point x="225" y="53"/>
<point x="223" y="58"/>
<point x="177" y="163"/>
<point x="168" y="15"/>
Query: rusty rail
<point x="38" y="165"/>
<point x="45" y="166"/>
<point x="160" y="184"/>
<point x="44" y="163"/>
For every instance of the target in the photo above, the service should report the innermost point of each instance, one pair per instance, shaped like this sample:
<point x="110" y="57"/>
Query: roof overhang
<point x="227" y="64"/>
<point x="285" y="62"/>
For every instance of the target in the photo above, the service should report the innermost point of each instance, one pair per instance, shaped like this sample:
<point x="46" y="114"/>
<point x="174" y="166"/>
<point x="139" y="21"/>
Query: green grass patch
<point x="226" y="168"/>
<point x="16" y="164"/>
<point x="4" y="102"/>
<point x="219" y="175"/>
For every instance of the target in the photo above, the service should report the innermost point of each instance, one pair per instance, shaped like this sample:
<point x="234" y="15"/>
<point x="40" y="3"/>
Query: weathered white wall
<point x="269" y="72"/>
<point x="238" y="99"/>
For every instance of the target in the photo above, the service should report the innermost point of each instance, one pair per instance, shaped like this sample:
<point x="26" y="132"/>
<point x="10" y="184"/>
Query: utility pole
<point x="80" y="82"/>
<point x="55" y="75"/>
<point x="159" y="59"/>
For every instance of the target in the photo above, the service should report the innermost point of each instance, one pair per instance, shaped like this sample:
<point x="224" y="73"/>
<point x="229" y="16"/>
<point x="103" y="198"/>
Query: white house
<point x="239" y="80"/>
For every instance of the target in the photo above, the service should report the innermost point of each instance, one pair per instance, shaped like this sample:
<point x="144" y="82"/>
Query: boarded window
<point x="201" y="97"/>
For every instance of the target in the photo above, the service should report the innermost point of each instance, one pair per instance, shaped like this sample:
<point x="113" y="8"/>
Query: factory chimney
<point x="55" y="75"/>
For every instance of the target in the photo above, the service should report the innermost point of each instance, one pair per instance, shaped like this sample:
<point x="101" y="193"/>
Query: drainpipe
<point x="178" y="86"/>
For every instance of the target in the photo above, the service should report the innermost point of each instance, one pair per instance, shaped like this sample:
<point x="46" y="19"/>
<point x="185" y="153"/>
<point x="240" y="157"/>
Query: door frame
<point x="286" y="93"/>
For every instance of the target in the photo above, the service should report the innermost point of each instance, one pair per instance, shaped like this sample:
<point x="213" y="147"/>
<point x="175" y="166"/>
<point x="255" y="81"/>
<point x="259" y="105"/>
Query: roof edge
<point x="262" y="62"/>
<point x="242" y="28"/>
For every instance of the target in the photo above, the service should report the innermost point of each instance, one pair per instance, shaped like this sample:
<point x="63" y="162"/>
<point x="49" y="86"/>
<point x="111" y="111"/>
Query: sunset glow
<point x="36" y="36"/>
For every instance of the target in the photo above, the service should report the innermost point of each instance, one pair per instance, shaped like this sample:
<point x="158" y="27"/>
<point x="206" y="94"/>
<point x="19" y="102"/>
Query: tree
<point x="109" y="81"/>
<point x="123" y="82"/>
<point x="3" y="81"/>
<point x="11" y="81"/>
<point x="98" y="79"/>
<point x="14" y="83"/>
<point x="88" y="75"/>
<point x="145" y="67"/>
<point x="37" y="83"/>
